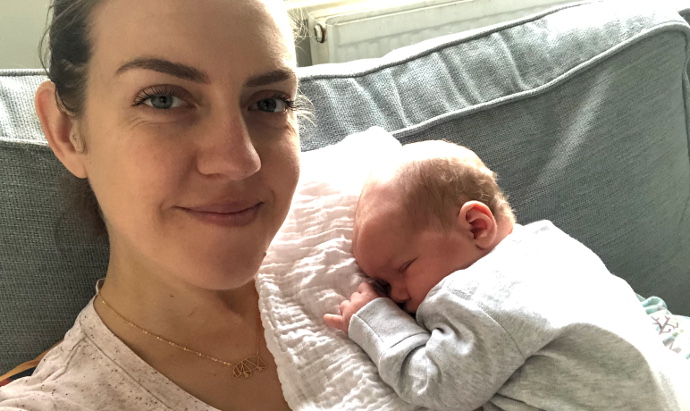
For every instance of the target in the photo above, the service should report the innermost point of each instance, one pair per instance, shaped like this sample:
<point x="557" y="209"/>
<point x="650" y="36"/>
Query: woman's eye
<point x="163" y="101"/>
<point x="272" y="105"/>
<point x="163" y="97"/>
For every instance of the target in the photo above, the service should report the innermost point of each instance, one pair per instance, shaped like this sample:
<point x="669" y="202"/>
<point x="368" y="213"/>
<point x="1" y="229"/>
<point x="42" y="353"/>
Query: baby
<point x="508" y="317"/>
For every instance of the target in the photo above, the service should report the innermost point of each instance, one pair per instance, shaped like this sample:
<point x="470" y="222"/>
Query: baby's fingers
<point x="335" y="321"/>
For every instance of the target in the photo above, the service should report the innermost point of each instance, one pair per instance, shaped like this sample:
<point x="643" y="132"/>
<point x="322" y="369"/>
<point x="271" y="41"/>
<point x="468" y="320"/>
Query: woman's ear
<point x="60" y="130"/>
<point x="477" y="218"/>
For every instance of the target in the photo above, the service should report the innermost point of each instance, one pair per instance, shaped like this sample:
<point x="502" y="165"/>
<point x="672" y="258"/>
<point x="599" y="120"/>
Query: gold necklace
<point x="244" y="368"/>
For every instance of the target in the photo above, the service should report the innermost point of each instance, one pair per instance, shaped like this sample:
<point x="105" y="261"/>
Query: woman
<point x="179" y="114"/>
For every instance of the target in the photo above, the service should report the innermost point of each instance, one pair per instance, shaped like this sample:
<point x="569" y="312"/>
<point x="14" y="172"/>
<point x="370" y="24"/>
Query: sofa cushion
<point x="581" y="110"/>
<point x="48" y="261"/>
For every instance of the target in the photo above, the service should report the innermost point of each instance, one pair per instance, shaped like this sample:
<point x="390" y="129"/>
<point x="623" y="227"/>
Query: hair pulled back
<point x="69" y="51"/>
<point x="68" y="54"/>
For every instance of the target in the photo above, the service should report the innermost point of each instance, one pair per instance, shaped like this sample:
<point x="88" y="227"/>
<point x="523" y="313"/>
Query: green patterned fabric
<point x="674" y="330"/>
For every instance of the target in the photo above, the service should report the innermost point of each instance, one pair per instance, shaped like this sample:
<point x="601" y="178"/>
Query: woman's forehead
<point x="217" y="36"/>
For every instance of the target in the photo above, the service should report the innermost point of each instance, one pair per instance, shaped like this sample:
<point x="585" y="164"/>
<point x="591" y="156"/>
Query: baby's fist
<point x="364" y="295"/>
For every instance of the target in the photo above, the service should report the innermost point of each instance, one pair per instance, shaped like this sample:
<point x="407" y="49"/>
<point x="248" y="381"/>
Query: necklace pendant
<point x="246" y="367"/>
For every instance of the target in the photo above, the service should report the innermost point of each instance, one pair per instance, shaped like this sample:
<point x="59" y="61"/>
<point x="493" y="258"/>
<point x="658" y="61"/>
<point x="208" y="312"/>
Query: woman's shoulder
<point x="92" y="369"/>
<point x="49" y="385"/>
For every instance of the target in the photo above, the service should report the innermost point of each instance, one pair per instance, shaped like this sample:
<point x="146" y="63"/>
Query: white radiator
<point x="368" y="29"/>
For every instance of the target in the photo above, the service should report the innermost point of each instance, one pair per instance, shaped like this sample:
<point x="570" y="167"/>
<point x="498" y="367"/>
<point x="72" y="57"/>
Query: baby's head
<point x="427" y="213"/>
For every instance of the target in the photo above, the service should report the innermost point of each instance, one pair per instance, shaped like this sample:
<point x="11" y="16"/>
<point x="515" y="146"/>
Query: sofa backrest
<point x="582" y="111"/>
<point x="48" y="260"/>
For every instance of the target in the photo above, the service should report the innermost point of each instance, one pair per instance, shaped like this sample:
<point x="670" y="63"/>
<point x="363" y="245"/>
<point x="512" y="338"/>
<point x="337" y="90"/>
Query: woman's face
<point x="191" y="146"/>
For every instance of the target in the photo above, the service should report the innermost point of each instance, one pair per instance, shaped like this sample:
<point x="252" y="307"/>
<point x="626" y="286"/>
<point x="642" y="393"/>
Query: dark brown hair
<point x="67" y="55"/>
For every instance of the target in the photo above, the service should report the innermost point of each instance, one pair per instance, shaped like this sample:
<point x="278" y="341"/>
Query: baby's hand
<point x="364" y="294"/>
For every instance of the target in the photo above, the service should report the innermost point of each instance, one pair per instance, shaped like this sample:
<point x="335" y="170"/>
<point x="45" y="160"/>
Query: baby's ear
<point x="477" y="218"/>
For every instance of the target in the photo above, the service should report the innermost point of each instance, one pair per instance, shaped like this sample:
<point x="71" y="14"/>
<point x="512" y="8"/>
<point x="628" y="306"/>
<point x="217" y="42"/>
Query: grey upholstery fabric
<point x="581" y="111"/>
<point x="49" y="262"/>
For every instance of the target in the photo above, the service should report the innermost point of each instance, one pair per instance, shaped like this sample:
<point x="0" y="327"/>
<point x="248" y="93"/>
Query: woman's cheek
<point x="283" y="166"/>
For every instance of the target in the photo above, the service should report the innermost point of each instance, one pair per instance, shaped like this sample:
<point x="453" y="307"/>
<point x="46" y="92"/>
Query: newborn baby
<point x="507" y="317"/>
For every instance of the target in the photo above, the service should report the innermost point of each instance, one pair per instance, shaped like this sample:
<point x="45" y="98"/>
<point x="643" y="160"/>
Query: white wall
<point x="22" y="23"/>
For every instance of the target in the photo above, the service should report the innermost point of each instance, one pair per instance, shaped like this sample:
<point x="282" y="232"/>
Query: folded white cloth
<point x="309" y="270"/>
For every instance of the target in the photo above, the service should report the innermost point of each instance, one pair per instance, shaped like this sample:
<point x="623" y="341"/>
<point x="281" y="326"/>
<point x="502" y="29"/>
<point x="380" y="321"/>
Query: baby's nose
<point x="399" y="294"/>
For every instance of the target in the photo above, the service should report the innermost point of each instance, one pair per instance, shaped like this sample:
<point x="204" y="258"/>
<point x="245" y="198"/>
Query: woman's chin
<point x="218" y="281"/>
<point x="226" y="274"/>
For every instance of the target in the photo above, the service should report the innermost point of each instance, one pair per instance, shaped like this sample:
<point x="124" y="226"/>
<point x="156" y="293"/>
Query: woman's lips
<point x="225" y="215"/>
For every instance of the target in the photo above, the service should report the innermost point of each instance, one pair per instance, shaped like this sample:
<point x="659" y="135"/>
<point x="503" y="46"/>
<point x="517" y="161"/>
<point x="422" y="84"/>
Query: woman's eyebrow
<point x="186" y="72"/>
<point x="275" y="76"/>
<point x="180" y="70"/>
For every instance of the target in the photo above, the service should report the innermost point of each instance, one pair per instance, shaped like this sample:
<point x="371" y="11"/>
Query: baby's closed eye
<point x="406" y="265"/>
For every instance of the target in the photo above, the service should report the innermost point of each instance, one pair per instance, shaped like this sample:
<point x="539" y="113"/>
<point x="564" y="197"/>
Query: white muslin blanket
<point x="309" y="270"/>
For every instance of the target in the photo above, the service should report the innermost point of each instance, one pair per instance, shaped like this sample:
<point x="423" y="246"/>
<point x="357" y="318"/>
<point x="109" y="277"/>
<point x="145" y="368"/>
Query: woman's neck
<point x="221" y="324"/>
<point x="205" y="320"/>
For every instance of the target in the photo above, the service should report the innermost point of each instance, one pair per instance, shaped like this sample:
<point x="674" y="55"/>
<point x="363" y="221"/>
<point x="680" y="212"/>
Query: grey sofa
<point x="582" y="111"/>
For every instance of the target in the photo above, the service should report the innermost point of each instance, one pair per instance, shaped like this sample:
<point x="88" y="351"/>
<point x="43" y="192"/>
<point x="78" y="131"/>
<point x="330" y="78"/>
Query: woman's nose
<point x="227" y="148"/>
